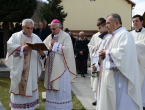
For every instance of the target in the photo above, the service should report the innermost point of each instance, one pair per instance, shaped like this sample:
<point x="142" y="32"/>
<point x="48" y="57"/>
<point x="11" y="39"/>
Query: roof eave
<point x="131" y="2"/>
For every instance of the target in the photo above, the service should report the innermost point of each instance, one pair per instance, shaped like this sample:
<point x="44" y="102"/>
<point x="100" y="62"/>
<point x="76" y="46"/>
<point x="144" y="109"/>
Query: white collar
<point x="58" y="34"/>
<point x="117" y="30"/>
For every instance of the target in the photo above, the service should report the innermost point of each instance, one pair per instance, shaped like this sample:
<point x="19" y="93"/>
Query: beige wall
<point x="83" y="14"/>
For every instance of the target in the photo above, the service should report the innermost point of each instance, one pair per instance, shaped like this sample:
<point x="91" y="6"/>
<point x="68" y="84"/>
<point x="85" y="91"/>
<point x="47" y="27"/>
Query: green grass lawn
<point x="5" y="96"/>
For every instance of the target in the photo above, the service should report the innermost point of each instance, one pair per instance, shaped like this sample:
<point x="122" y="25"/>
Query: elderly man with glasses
<point x="60" y="68"/>
<point x="23" y="61"/>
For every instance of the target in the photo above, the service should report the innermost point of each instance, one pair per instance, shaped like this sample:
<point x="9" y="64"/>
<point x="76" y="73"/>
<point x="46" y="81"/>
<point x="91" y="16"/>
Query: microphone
<point x="52" y="36"/>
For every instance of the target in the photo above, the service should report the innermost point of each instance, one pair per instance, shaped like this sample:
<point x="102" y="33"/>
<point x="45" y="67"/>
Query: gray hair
<point x="59" y="24"/>
<point x="116" y="17"/>
<point x="82" y="32"/>
<point x="27" y="21"/>
<point x="40" y="23"/>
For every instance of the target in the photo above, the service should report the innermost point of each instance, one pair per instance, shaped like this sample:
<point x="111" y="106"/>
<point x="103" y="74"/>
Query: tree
<point x="36" y="16"/>
<point x="14" y="11"/>
<point x="53" y="10"/>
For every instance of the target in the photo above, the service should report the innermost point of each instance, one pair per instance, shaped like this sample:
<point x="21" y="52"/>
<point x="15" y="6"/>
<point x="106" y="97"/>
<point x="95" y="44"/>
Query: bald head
<point x="82" y="34"/>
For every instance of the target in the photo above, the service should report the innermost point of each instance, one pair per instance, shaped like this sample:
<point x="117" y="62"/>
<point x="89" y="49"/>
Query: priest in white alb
<point x="92" y="45"/>
<point x="139" y="37"/>
<point x="102" y="37"/>
<point x="60" y="69"/>
<point x="26" y="68"/>
<point x="120" y="84"/>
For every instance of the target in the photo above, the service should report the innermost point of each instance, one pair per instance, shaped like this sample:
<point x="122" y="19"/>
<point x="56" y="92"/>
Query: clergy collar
<point x="138" y="30"/>
<point x="117" y="30"/>
<point x="102" y="35"/>
<point x="25" y="34"/>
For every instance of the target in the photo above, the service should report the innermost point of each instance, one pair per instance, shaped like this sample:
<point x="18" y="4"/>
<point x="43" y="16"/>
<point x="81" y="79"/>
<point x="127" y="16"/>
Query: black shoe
<point x="143" y="108"/>
<point x="82" y="75"/>
<point x="94" y="103"/>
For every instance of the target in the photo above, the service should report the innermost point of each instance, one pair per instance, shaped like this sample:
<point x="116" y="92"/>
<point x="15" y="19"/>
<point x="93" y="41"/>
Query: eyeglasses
<point x="53" y="28"/>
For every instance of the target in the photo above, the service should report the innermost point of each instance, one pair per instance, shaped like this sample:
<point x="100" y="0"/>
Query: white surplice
<point x="60" y="100"/>
<point x="19" y="102"/>
<point x="92" y="45"/>
<point x="96" y="59"/>
<point x="139" y="38"/>
<point x="120" y="85"/>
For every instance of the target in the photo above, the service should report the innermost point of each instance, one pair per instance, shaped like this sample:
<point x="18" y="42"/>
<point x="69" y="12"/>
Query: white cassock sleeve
<point x="95" y="60"/>
<point x="19" y="52"/>
<point x="57" y="48"/>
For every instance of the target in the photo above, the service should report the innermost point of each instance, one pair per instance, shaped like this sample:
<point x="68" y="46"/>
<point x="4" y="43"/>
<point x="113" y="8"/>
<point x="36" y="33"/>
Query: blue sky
<point x="138" y="9"/>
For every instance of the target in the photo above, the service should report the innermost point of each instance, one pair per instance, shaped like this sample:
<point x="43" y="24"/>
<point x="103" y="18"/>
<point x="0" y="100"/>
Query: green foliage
<point x="16" y="10"/>
<point x="53" y="10"/>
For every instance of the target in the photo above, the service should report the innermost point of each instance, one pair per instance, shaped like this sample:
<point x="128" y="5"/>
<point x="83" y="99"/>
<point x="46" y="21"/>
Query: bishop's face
<point x="137" y="23"/>
<point x="110" y="24"/>
<point x="28" y="29"/>
<point x="54" y="28"/>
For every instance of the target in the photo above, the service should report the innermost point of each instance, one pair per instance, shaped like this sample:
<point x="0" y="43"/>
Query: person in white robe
<point x="139" y="37"/>
<point x="101" y="24"/>
<point x="26" y="68"/>
<point x="92" y="45"/>
<point x="60" y="69"/>
<point x="120" y="85"/>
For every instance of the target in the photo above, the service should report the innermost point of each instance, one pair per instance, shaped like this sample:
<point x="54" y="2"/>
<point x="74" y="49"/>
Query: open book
<point x="37" y="46"/>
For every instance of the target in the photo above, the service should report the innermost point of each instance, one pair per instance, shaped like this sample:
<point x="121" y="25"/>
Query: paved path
<point x="82" y="90"/>
<point x="80" y="87"/>
<point x="3" y="68"/>
<point x="1" y="106"/>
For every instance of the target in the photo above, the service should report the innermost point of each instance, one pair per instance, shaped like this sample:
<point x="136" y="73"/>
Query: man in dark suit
<point x="40" y="31"/>
<point x="46" y="28"/>
<point x="81" y="49"/>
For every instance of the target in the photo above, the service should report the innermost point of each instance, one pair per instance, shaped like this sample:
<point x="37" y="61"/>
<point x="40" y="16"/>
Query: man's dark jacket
<point x="81" y="46"/>
<point x="43" y="34"/>
<point x="47" y="31"/>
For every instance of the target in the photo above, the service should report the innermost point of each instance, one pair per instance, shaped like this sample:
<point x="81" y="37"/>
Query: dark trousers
<point x="81" y="66"/>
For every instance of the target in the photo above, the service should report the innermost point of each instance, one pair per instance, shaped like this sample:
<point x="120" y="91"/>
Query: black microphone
<point x="52" y="36"/>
